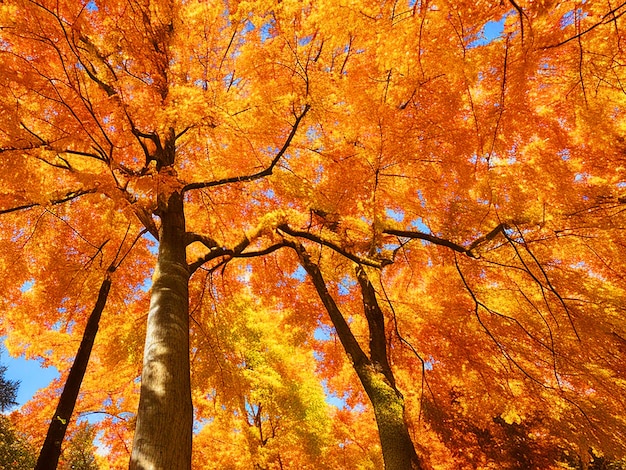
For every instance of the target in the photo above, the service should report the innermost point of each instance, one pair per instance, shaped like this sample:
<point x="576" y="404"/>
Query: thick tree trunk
<point x="164" y="420"/>
<point x="374" y="373"/>
<point x="51" y="449"/>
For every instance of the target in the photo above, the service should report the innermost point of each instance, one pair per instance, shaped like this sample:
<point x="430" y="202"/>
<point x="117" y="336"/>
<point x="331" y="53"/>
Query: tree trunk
<point x="388" y="404"/>
<point x="163" y="432"/>
<point x="380" y="385"/>
<point x="51" y="449"/>
<point x="375" y="374"/>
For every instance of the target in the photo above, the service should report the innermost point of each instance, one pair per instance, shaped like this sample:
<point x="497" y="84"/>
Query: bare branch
<point x="521" y="14"/>
<point x="429" y="238"/>
<point x="231" y="254"/>
<point x="349" y="342"/>
<point x="376" y="326"/>
<point x="192" y="237"/>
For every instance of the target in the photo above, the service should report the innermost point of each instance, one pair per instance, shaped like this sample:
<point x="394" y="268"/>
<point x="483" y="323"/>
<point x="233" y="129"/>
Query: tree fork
<point x="389" y="411"/>
<point x="388" y="404"/>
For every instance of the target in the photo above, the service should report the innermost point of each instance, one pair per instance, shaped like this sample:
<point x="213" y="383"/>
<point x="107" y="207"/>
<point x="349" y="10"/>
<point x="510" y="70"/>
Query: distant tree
<point x="15" y="452"/>
<point x="79" y="452"/>
<point x="8" y="390"/>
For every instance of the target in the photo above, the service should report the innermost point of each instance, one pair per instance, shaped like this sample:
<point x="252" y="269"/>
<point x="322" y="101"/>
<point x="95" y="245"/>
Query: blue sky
<point x="30" y="373"/>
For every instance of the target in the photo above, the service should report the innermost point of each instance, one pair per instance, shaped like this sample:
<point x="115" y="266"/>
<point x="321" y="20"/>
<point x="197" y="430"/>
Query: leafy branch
<point x="609" y="17"/>
<point x="469" y="251"/>
<point x="325" y="242"/>
<point x="260" y="174"/>
<point x="65" y="198"/>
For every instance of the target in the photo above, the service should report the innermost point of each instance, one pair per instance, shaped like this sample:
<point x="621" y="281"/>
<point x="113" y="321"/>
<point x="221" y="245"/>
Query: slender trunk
<point x="51" y="449"/>
<point x="374" y="373"/>
<point x="380" y="385"/>
<point x="162" y="438"/>
<point x="388" y="404"/>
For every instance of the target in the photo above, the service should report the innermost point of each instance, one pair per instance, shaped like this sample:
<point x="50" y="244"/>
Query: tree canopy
<point x="334" y="234"/>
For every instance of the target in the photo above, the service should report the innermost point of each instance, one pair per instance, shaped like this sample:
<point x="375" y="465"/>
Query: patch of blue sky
<point x="271" y="150"/>
<point x="345" y="284"/>
<point x="491" y="31"/>
<point x="267" y="30"/>
<point x="269" y="193"/>
<point x="420" y="225"/>
<point x="153" y="244"/>
<point x="564" y="154"/>
<point x="313" y="133"/>
<point x="570" y="17"/>
<point x="91" y="5"/>
<point x="200" y="423"/>
<point x="146" y="285"/>
<point x="305" y="40"/>
<point x="230" y="80"/>
<point x="17" y="234"/>
<point x="28" y="285"/>
<point x="621" y="184"/>
<point x="248" y="26"/>
<point x="245" y="276"/>
<point x="422" y="199"/>
<point x="322" y="332"/>
<point x="333" y="399"/>
<point x="299" y="274"/>
<point x="319" y="174"/>
<point x="397" y="215"/>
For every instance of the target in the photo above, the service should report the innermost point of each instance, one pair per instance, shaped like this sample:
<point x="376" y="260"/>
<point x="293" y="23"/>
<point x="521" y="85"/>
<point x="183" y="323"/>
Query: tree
<point x="79" y="453"/>
<point x="15" y="451"/>
<point x="8" y="390"/>
<point x="454" y="201"/>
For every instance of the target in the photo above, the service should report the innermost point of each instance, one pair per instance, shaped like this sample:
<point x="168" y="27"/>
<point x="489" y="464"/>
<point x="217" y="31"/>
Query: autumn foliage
<point x="349" y="233"/>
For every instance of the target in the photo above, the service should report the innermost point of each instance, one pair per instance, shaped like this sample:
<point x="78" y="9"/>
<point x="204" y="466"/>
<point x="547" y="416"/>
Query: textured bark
<point x="162" y="438"/>
<point x="388" y="404"/>
<point x="380" y="385"/>
<point x="374" y="373"/>
<point x="51" y="449"/>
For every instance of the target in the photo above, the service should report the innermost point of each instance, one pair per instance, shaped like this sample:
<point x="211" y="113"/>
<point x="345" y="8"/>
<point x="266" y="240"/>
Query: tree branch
<point x="349" y="342"/>
<point x="67" y="197"/>
<point x="254" y="176"/>
<point x="469" y="251"/>
<point x="376" y="326"/>
<point x="318" y="239"/>
<point x="236" y="252"/>
<point x="607" y="18"/>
